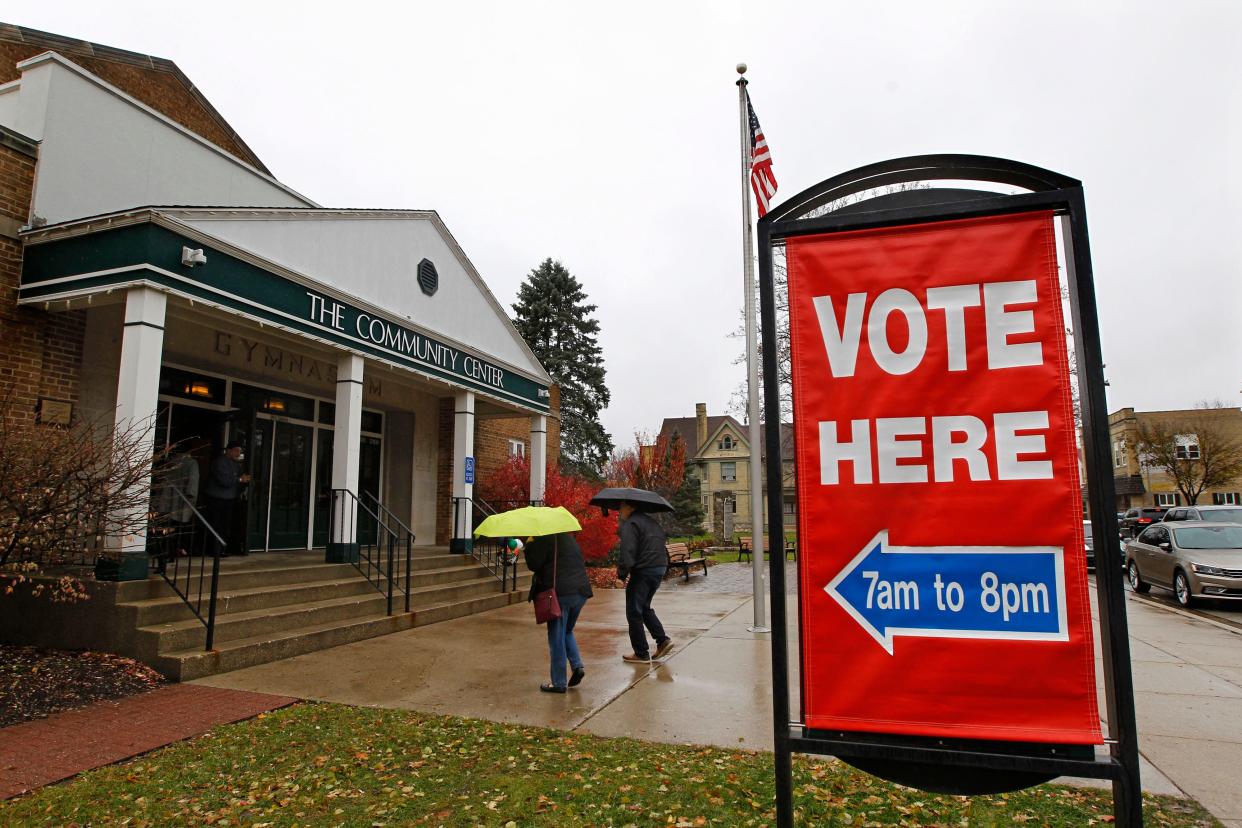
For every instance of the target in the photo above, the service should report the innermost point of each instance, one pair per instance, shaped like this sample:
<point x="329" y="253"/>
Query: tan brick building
<point x="1140" y="484"/>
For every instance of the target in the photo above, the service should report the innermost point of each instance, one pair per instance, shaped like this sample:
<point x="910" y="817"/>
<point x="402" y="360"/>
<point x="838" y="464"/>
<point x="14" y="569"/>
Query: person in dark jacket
<point x="557" y="559"/>
<point x="643" y="560"/>
<point x="224" y="484"/>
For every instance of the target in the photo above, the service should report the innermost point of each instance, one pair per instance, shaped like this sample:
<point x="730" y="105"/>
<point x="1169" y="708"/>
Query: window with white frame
<point x="517" y="448"/>
<point x="726" y="443"/>
<point x="728" y="472"/>
<point x="1227" y="499"/>
<point x="1166" y="499"/>
<point x="1187" y="447"/>
<point x="1119" y="453"/>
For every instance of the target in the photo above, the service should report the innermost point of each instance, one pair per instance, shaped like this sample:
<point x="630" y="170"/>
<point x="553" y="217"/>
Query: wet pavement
<point x="714" y="686"/>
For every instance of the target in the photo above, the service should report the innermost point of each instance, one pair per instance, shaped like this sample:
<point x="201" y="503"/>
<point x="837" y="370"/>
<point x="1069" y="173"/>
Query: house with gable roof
<point x="718" y="454"/>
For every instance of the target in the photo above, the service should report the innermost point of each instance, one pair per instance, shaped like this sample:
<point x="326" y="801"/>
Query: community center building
<point x="152" y="269"/>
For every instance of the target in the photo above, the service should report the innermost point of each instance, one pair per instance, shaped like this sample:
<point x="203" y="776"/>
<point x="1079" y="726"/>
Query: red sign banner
<point x="942" y="570"/>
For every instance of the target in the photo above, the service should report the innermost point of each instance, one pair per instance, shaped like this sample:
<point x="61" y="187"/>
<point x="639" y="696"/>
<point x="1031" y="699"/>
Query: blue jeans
<point x="639" y="590"/>
<point x="561" y="643"/>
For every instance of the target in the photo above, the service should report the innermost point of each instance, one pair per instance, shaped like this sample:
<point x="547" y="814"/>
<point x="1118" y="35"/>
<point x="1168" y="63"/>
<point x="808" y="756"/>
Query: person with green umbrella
<point x="558" y="564"/>
<point x="553" y="554"/>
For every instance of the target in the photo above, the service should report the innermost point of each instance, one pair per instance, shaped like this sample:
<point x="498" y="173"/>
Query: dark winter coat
<point x="642" y="545"/>
<point x="571" y="574"/>
<point x="224" y="478"/>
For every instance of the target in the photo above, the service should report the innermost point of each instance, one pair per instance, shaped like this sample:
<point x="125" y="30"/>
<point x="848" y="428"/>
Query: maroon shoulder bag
<point x="547" y="607"/>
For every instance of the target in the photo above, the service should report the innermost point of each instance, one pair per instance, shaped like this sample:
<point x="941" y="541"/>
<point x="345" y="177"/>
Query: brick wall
<point x="156" y="82"/>
<point x="40" y="352"/>
<point x="491" y="451"/>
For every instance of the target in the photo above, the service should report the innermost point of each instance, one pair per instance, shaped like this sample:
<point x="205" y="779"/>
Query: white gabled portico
<point x="385" y="302"/>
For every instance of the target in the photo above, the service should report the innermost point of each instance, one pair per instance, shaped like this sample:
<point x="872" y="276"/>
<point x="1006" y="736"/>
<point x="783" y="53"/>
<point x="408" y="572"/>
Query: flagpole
<point x="752" y="372"/>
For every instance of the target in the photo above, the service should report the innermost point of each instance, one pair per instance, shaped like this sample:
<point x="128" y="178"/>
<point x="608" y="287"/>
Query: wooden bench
<point x="679" y="555"/>
<point x="744" y="547"/>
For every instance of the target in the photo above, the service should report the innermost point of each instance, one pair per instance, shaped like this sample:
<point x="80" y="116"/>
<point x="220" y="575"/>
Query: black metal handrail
<point x="492" y="553"/>
<point x="180" y="551"/>
<point x="405" y="537"/>
<point x="378" y="551"/>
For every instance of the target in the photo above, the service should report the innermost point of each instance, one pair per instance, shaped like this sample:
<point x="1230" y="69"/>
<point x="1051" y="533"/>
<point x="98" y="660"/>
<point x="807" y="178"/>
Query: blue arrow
<point x="1006" y="592"/>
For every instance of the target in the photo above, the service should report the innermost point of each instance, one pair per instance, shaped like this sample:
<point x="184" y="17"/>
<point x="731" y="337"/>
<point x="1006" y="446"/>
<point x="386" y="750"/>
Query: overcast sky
<point x="609" y="140"/>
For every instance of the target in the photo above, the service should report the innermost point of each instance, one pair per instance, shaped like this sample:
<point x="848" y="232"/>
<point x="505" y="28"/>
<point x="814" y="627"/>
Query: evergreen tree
<point x="553" y="316"/>
<point x="688" y="506"/>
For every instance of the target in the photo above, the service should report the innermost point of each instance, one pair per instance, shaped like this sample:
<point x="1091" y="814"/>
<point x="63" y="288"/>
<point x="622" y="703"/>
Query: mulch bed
<point x="602" y="577"/>
<point x="35" y="683"/>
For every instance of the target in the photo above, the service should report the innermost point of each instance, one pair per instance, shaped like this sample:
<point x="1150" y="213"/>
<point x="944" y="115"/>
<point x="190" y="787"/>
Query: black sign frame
<point x="856" y="200"/>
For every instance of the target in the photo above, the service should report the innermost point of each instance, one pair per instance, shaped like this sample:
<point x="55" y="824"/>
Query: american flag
<point x="762" y="181"/>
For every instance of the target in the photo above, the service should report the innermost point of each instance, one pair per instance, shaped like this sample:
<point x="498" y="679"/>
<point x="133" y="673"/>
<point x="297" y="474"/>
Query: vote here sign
<point x="942" y="571"/>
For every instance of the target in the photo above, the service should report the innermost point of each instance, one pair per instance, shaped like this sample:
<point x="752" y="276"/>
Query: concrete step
<point x="456" y="609"/>
<point x="181" y="635"/>
<point x="192" y="663"/>
<point x="233" y="577"/>
<point x="189" y="633"/>
<point x="169" y="608"/>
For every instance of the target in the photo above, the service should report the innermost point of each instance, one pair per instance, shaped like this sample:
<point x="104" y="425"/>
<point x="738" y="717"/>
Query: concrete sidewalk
<point x="715" y="686"/>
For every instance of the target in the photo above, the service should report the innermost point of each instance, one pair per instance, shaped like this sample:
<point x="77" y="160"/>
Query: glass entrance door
<point x="290" y="486"/>
<point x="280" y="491"/>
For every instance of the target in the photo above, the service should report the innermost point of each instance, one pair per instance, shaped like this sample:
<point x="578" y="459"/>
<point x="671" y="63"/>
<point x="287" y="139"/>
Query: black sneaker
<point x="577" y="677"/>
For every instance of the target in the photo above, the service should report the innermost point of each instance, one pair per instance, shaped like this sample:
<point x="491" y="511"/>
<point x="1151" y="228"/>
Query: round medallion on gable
<point x="428" y="278"/>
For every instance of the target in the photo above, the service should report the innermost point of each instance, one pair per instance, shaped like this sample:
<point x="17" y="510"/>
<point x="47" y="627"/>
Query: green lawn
<point x="323" y="764"/>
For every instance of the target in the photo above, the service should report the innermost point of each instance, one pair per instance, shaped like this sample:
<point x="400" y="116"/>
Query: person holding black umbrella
<point x="643" y="560"/>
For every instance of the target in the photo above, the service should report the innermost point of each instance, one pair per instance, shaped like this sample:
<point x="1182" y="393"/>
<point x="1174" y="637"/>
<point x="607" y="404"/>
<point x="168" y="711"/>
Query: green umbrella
<point x="529" y="521"/>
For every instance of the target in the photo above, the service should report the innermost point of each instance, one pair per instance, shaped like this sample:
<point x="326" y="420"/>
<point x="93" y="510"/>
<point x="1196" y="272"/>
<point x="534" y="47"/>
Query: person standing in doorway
<point x="224" y="485"/>
<point x="643" y="560"/>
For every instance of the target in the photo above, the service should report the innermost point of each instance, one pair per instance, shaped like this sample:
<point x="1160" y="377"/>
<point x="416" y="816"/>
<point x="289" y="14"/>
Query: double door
<point x="291" y="467"/>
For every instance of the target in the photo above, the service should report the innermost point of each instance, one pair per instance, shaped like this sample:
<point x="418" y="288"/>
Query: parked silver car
<point x="1194" y="560"/>
<point x="1216" y="514"/>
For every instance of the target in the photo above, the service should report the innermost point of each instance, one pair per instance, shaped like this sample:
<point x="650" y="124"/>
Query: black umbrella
<point x="643" y="500"/>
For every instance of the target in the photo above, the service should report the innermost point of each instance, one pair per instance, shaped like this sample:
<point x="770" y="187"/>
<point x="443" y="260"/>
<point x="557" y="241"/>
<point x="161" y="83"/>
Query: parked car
<point x="1216" y="514"/>
<point x="1139" y="518"/>
<point x="1194" y="560"/>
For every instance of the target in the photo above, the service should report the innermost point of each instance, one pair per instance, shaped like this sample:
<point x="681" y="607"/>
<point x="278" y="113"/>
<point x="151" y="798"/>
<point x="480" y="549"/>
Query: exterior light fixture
<point x="193" y="258"/>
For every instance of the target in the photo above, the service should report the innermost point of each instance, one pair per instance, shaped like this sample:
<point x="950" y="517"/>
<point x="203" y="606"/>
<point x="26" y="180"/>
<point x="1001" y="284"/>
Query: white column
<point x="346" y="439"/>
<point x="538" y="456"/>
<point x="137" y="398"/>
<point x="463" y="482"/>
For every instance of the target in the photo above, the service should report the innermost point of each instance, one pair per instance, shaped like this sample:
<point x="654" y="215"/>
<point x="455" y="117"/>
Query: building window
<point x="1119" y="453"/>
<point x="727" y="443"/>
<point x="728" y="472"/>
<point x="517" y="448"/>
<point x="1166" y="499"/>
<point x="1227" y="498"/>
<point x="733" y="506"/>
<point x="1187" y="447"/>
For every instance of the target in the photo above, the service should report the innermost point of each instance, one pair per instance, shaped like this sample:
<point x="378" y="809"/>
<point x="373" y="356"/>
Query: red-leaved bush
<point x="512" y="483"/>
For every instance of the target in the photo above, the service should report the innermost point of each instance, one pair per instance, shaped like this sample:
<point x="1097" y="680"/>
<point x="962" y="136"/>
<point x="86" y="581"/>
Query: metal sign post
<point x="942" y="604"/>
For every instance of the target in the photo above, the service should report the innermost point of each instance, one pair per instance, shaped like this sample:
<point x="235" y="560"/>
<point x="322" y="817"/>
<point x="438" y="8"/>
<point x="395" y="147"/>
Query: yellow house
<point x="718" y="454"/>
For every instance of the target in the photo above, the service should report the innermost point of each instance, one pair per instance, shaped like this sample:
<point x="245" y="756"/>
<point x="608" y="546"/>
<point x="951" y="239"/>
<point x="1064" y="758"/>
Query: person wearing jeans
<point x="643" y="560"/>
<point x="557" y="562"/>
<point x="562" y="646"/>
